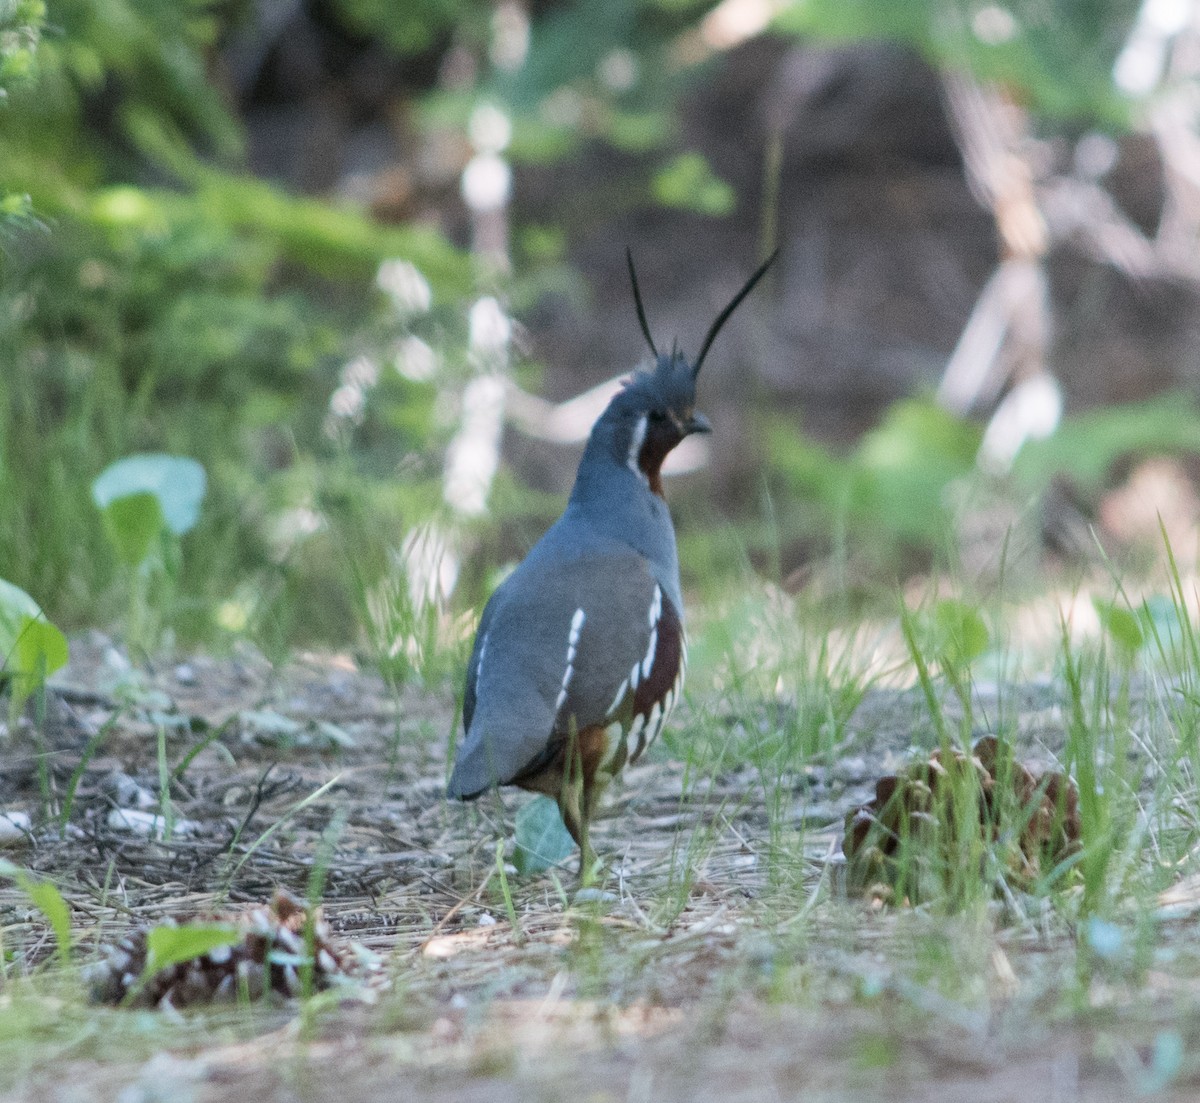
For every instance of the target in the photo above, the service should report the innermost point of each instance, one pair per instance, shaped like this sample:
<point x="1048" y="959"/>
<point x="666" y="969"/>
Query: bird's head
<point x="656" y="409"/>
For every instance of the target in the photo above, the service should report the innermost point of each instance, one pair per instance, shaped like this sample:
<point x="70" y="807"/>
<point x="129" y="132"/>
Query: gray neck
<point x="614" y="498"/>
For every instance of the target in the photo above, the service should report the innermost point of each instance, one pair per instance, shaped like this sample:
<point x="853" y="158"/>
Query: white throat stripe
<point x="635" y="448"/>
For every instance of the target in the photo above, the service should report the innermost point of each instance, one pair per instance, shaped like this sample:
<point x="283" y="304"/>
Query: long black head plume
<point x="723" y="317"/>
<point x="637" y="299"/>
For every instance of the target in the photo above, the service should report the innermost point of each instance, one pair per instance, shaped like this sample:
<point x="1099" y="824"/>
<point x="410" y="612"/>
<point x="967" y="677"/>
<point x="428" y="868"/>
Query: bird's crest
<point x="666" y="366"/>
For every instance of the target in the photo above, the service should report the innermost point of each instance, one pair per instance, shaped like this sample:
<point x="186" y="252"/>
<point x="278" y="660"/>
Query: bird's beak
<point x="697" y="423"/>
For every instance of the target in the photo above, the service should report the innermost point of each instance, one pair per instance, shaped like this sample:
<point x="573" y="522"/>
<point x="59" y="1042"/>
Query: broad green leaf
<point x="960" y="631"/>
<point x="30" y="646"/>
<point x="16" y="607"/>
<point x="44" y="896"/>
<point x="133" y="523"/>
<point x="1121" y="624"/>
<point x="176" y="481"/>
<point x="166" y="946"/>
<point x="541" y="837"/>
<point x="41" y="649"/>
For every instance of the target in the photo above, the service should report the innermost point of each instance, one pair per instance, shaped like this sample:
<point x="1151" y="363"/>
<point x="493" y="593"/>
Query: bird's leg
<point x="576" y="802"/>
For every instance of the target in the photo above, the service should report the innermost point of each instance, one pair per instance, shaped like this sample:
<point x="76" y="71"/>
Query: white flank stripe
<point x="636" y="732"/>
<point x="619" y="699"/>
<point x="656" y="606"/>
<point x="576" y="627"/>
<point x="635" y="675"/>
<point x="572" y="642"/>
<point x="668" y="704"/>
<point x="648" y="661"/>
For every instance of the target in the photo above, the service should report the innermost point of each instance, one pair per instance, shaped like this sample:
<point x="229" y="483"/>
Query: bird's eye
<point x="658" y="416"/>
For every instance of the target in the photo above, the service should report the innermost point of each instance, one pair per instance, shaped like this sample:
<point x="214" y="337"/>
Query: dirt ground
<point x="718" y="961"/>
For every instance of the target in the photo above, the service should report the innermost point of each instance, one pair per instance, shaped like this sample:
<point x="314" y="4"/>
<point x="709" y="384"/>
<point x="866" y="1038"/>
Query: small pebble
<point x="595" y="896"/>
<point x="148" y="824"/>
<point x="15" y="828"/>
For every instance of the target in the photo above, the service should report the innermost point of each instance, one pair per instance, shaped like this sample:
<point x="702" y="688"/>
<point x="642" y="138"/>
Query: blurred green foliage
<point x="165" y="300"/>
<point x="888" y="495"/>
<point x="20" y="32"/>
<point x="1088" y="445"/>
<point x="156" y="297"/>
<point x="891" y="496"/>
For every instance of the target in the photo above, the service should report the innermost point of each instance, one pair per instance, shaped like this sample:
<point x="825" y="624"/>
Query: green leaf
<point x="961" y="635"/>
<point x="178" y="483"/>
<point x="688" y="183"/>
<point x="167" y="946"/>
<point x="133" y="524"/>
<point x="1121" y="624"/>
<point x="542" y="838"/>
<point x="30" y="646"/>
<point x="41" y="649"/>
<point x="44" y="896"/>
<point x="16" y="606"/>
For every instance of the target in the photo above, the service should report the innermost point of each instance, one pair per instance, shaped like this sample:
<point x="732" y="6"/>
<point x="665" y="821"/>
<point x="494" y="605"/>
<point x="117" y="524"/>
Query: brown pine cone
<point x="910" y="836"/>
<point x="270" y="958"/>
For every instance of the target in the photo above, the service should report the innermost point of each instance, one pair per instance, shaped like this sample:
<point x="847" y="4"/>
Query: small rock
<point x="594" y="896"/>
<point x="148" y="825"/>
<point x="185" y="674"/>
<point x="15" y="828"/>
<point x="115" y="661"/>
<point x="126" y="792"/>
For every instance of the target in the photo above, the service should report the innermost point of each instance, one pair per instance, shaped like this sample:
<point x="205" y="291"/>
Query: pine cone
<point x="269" y="959"/>
<point x="910" y="835"/>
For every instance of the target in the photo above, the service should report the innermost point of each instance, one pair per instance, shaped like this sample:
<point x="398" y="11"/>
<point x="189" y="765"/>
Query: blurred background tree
<point x="352" y="255"/>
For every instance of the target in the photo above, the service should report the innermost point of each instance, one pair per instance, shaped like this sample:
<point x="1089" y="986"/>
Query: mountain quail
<point x="580" y="653"/>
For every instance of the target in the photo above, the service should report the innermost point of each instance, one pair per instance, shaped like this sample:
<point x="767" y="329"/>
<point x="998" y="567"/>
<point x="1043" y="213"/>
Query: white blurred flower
<point x="510" y="36"/>
<point x="474" y="454"/>
<point x="489" y="129"/>
<point x="994" y="26"/>
<point x="362" y="372"/>
<point x="415" y="360"/>
<point x="489" y="328"/>
<point x="486" y="182"/>
<point x="407" y="288"/>
<point x="348" y="402"/>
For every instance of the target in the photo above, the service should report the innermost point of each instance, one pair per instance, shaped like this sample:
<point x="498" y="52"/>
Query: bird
<point x="580" y="654"/>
